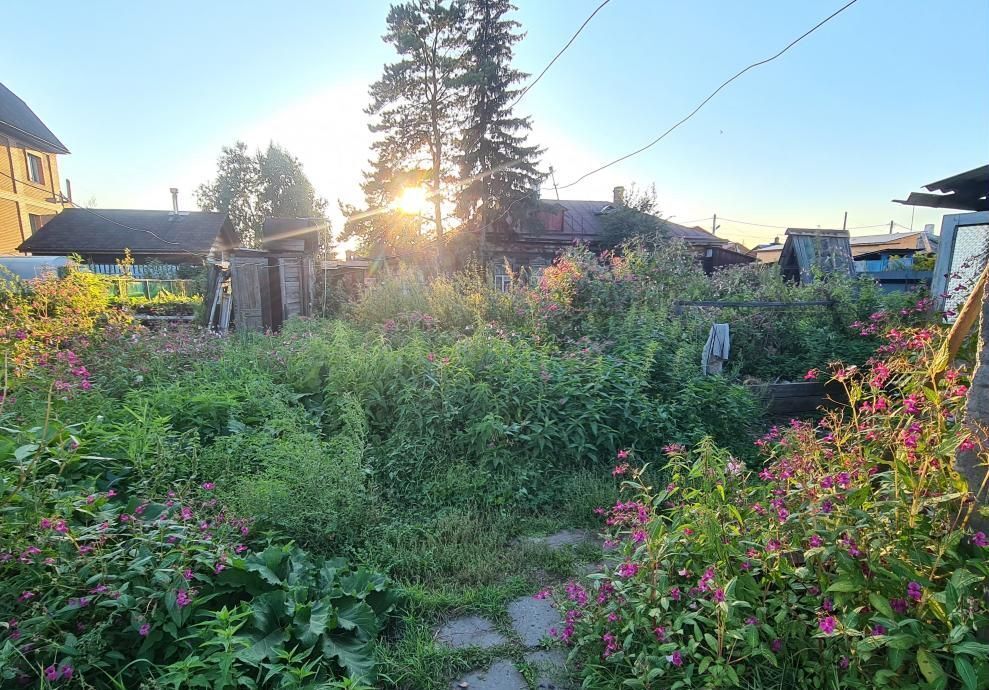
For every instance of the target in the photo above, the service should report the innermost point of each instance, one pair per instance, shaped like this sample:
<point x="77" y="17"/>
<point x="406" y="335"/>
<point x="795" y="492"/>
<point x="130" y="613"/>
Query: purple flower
<point x="660" y="633"/>
<point x="877" y="630"/>
<point x="815" y="541"/>
<point x="676" y="658"/>
<point x="208" y="486"/>
<point x="182" y="599"/>
<point x="26" y="596"/>
<point x="914" y="591"/>
<point x="752" y="620"/>
<point x="145" y="629"/>
<point x="827" y="625"/>
<point x="979" y="539"/>
<point x="776" y="645"/>
<point x="675" y="594"/>
<point x="898" y="605"/>
<point x="51" y="673"/>
<point x="843" y="662"/>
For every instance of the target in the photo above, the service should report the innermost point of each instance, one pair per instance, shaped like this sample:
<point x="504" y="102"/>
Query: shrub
<point x="99" y="582"/>
<point x="46" y="313"/>
<point x="847" y="563"/>
<point x="324" y="482"/>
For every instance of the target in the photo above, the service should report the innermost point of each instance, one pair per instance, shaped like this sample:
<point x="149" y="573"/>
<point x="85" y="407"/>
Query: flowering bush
<point x="46" y="313"/>
<point x="99" y="582"/>
<point x="846" y="563"/>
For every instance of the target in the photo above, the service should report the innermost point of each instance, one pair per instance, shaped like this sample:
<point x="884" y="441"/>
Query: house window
<point x="503" y="283"/>
<point x="35" y="168"/>
<point x="37" y="221"/>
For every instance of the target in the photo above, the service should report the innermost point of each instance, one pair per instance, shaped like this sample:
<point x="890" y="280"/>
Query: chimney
<point x="776" y="240"/>
<point x="175" y="199"/>
<point x="618" y="200"/>
<point x="68" y="189"/>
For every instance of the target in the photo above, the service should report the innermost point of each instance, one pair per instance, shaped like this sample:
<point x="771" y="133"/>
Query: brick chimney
<point x="618" y="200"/>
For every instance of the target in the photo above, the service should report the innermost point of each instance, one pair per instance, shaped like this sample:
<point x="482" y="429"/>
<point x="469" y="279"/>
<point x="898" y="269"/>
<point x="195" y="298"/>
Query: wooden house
<point x="30" y="191"/>
<point x="530" y="242"/>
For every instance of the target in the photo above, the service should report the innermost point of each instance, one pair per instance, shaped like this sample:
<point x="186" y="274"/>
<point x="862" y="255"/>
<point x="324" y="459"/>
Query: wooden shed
<point x="268" y="286"/>
<point x="807" y="253"/>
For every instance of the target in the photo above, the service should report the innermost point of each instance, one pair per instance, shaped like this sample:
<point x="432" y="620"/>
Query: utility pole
<point x="552" y="175"/>
<point x="714" y="224"/>
<point x="844" y="223"/>
<point x="890" y="227"/>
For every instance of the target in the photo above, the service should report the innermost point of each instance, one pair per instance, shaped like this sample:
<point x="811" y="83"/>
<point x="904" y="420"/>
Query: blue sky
<point x="888" y="96"/>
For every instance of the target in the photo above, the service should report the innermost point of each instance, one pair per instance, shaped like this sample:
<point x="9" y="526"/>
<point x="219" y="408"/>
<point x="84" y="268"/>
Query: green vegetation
<point x="338" y="490"/>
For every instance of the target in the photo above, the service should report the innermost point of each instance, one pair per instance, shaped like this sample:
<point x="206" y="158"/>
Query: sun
<point x="412" y="201"/>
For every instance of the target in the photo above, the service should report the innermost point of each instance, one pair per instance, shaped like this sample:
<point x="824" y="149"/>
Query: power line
<point x="536" y="80"/>
<point x="712" y="95"/>
<point x="557" y="56"/>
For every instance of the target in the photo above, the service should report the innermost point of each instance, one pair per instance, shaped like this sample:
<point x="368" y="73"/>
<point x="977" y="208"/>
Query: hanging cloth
<point x="716" y="349"/>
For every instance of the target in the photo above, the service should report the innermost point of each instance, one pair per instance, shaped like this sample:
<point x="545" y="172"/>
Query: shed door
<point x="245" y="273"/>
<point x="291" y="270"/>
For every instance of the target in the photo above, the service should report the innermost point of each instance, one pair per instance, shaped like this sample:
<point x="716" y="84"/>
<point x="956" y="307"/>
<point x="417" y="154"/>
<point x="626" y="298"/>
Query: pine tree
<point x="495" y="158"/>
<point x="415" y="109"/>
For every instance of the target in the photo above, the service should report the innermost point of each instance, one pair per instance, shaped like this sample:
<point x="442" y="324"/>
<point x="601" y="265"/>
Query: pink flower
<point x="208" y="486"/>
<point x="827" y="625"/>
<point x="623" y="454"/>
<point x="811" y="375"/>
<point x="966" y="444"/>
<point x="619" y="470"/>
<point x="145" y="629"/>
<point x="660" y="633"/>
<point x="776" y="645"/>
<point x="815" y="541"/>
<point x="26" y="596"/>
<point x="676" y="658"/>
<point x="628" y="569"/>
<point x="979" y="539"/>
<point x="183" y="598"/>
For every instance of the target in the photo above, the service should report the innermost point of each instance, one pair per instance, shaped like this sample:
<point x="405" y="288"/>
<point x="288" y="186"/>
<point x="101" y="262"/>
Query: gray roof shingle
<point x="95" y="231"/>
<point x="19" y="121"/>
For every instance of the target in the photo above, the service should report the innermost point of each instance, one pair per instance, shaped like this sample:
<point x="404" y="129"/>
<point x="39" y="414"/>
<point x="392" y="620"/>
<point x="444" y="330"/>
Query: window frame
<point x="30" y="171"/>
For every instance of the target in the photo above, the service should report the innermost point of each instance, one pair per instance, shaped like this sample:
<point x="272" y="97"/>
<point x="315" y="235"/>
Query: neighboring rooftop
<point x="110" y="231"/>
<point x="967" y="191"/>
<point x="20" y="122"/>
<point x="583" y="217"/>
<point x="919" y="240"/>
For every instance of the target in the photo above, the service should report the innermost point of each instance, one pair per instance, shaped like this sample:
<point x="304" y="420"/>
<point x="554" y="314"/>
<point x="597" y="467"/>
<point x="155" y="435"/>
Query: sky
<point x="887" y="97"/>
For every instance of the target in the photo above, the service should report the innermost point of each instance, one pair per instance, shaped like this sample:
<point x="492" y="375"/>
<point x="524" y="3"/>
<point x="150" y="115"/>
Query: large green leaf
<point x="355" y="615"/>
<point x="269" y="611"/>
<point x="929" y="665"/>
<point x="311" y="621"/>
<point x="967" y="673"/>
<point x="263" y="646"/>
<point x="354" y="656"/>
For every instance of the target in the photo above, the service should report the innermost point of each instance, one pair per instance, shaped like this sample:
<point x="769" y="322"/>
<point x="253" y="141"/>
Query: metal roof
<point x="967" y="191"/>
<point x="20" y="122"/>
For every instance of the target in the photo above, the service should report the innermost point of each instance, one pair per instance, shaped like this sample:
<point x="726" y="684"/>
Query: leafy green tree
<point x="496" y="161"/>
<point x="638" y="218"/>
<point x="415" y="109"/>
<point x="250" y="187"/>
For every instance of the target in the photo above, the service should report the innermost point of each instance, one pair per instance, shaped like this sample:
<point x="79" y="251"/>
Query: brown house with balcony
<point x="30" y="193"/>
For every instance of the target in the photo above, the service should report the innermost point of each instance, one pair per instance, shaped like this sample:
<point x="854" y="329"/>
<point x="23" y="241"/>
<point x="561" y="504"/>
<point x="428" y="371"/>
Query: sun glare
<point x="413" y="201"/>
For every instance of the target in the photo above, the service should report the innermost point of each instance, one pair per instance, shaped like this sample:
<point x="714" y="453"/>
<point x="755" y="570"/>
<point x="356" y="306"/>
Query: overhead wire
<point x="712" y="95"/>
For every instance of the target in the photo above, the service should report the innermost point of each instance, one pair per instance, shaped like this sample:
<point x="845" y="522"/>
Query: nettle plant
<point x="101" y="587"/>
<point x="846" y="563"/>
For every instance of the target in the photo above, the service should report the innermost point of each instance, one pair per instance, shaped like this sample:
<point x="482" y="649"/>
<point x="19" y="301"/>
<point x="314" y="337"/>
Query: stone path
<point x="532" y="620"/>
